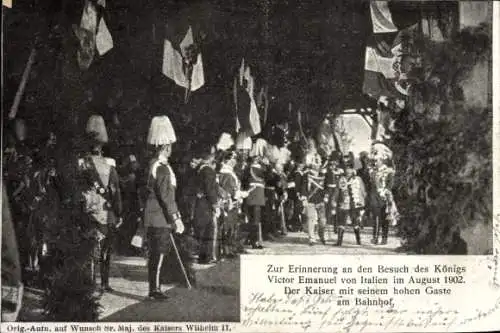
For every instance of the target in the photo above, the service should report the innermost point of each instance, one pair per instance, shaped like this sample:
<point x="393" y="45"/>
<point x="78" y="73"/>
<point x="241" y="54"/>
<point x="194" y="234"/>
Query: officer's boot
<point x="357" y="234"/>
<point x="104" y="276"/>
<point x="340" y="236"/>
<point x="258" y="242"/>
<point x="385" y="232"/>
<point x="375" y="232"/>
<point x="104" y="271"/>
<point x="154" y="271"/>
<point x="151" y="276"/>
<point x="321" y="233"/>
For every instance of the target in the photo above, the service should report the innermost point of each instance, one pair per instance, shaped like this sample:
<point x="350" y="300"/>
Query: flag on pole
<point x="247" y="114"/>
<point x="183" y="63"/>
<point x="263" y="103"/>
<point x="392" y="27"/>
<point x="93" y="33"/>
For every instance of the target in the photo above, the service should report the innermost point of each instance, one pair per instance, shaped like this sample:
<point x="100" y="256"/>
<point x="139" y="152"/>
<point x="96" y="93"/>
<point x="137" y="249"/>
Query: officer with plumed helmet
<point x="100" y="195"/>
<point x="161" y="215"/>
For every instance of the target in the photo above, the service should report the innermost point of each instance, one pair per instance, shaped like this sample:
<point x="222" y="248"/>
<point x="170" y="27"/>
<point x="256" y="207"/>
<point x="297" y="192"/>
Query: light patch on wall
<point x="358" y="132"/>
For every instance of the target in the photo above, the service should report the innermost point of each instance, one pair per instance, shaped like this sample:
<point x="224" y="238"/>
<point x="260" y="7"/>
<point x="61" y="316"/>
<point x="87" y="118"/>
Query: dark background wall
<point x="310" y="53"/>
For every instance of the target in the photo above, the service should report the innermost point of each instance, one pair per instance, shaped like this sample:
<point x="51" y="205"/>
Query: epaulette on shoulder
<point x="110" y="161"/>
<point x="155" y="167"/>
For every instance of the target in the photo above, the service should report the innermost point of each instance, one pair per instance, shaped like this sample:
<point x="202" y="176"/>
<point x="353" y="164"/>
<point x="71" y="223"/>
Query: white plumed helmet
<point x="225" y="141"/>
<point x="259" y="148"/>
<point x="161" y="131"/>
<point x="95" y="125"/>
<point x="243" y="141"/>
<point x="381" y="151"/>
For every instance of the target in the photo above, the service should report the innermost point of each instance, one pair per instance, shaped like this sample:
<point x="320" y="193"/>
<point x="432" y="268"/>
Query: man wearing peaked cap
<point x="255" y="181"/>
<point x="352" y="196"/>
<point x="207" y="211"/>
<point x="161" y="215"/>
<point x="334" y="172"/>
<point x="101" y="193"/>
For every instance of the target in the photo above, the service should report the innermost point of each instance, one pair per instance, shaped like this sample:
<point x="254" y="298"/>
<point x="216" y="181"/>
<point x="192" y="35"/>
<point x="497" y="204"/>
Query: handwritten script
<point x="322" y="311"/>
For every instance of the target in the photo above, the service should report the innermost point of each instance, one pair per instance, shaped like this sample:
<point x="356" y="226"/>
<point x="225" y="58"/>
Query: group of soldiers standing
<point x="335" y="193"/>
<point x="230" y="198"/>
<point x="251" y="196"/>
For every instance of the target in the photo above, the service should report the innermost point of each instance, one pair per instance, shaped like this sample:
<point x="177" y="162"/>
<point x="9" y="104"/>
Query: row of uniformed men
<point x="222" y="194"/>
<point x="336" y="193"/>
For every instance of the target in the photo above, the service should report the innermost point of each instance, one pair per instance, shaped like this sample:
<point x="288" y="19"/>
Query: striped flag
<point x="247" y="114"/>
<point x="182" y="63"/>
<point x="92" y="33"/>
<point x="392" y="26"/>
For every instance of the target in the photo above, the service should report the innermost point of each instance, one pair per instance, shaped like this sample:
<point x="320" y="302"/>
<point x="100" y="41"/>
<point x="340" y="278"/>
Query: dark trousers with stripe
<point x="380" y="222"/>
<point x="159" y="244"/>
<point x="105" y="257"/>
<point x="254" y="214"/>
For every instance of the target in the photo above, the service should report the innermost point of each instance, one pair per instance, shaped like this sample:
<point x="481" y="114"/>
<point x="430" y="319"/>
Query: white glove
<point x="120" y="223"/>
<point x="217" y="213"/>
<point x="241" y="194"/>
<point x="137" y="241"/>
<point x="179" y="226"/>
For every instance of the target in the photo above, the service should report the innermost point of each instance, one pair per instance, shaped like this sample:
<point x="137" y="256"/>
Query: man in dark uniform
<point x="364" y="174"/>
<point x="101" y="190"/>
<point x="331" y="180"/>
<point x="131" y="183"/>
<point x="161" y="215"/>
<point x="282" y="197"/>
<point x="298" y="206"/>
<point x="207" y="209"/>
<point x="272" y="179"/>
<point x="255" y="183"/>
<point x="231" y="184"/>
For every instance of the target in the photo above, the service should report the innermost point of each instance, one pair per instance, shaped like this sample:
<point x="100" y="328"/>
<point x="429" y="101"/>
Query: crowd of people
<point x="231" y="197"/>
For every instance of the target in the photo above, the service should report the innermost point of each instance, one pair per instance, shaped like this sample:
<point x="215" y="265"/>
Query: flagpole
<point x="22" y="85"/>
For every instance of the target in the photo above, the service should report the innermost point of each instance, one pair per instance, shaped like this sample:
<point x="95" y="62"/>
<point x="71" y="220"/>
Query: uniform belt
<point x="257" y="185"/>
<point x="332" y="185"/>
<point x="291" y="185"/>
<point x="270" y="188"/>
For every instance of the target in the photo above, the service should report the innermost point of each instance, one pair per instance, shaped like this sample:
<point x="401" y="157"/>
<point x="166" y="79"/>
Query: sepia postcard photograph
<point x="253" y="166"/>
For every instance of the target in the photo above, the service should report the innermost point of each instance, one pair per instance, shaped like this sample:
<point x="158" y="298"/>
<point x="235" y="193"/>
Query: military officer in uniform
<point x="298" y="207"/>
<point x="230" y="183"/>
<point x="331" y="181"/>
<point x="207" y="208"/>
<point x="269" y="228"/>
<point x="364" y="173"/>
<point x="351" y="202"/>
<point x="382" y="177"/>
<point x="101" y="196"/>
<point x="313" y="197"/>
<point x="256" y="200"/>
<point x="161" y="215"/>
